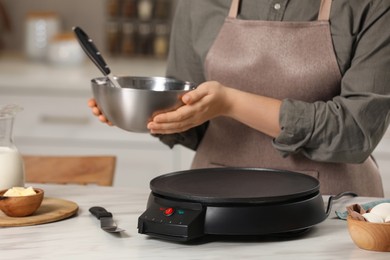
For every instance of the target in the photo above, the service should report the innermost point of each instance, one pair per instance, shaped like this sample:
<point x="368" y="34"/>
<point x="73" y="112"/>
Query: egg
<point x="382" y="210"/>
<point x="371" y="217"/>
<point x="387" y="219"/>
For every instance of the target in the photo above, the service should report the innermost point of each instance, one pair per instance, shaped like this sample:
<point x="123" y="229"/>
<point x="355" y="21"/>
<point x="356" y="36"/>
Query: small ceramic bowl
<point x="21" y="206"/>
<point x="370" y="236"/>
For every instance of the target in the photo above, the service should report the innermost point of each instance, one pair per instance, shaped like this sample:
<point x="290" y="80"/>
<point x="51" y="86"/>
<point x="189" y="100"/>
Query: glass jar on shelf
<point x="145" y="39"/>
<point x="113" y="37"/>
<point x="40" y="29"/>
<point x="161" y="41"/>
<point x="145" y="10"/>
<point x="113" y="7"/>
<point x="128" y="47"/>
<point x="162" y="9"/>
<point x="129" y="9"/>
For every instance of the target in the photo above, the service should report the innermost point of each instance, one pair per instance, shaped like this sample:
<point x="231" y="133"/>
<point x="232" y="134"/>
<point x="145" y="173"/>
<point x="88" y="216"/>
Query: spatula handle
<point x="91" y="50"/>
<point x="100" y="212"/>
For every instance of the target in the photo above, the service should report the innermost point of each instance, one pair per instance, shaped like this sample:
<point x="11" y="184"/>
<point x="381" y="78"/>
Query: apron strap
<point x="234" y="8"/>
<point x="324" y="13"/>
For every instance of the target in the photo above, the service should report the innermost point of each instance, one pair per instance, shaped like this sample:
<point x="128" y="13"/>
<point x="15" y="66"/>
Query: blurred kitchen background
<point x="121" y="27"/>
<point x="43" y="69"/>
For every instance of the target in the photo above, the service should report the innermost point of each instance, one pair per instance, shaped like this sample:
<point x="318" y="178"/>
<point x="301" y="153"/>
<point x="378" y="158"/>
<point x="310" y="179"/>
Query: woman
<point x="301" y="85"/>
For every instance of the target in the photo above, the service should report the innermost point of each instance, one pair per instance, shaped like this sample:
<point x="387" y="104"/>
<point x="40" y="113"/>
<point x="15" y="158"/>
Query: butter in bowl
<point x="370" y="229"/>
<point x="20" y="201"/>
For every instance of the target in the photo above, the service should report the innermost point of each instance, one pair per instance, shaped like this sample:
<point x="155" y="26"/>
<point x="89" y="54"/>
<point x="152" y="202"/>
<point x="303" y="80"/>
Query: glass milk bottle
<point x="11" y="162"/>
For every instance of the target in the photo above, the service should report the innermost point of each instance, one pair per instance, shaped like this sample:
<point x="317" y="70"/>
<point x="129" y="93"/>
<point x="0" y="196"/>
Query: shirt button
<point x="277" y="6"/>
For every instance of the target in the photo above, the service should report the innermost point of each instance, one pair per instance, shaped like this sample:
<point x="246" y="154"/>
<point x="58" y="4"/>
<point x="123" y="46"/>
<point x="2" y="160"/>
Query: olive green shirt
<point x="345" y="129"/>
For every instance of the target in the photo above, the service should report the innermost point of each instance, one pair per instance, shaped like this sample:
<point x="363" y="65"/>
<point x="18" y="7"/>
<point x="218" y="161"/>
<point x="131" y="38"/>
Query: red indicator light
<point x="169" y="211"/>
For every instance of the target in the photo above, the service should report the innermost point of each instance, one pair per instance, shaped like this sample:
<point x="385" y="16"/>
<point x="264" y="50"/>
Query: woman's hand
<point x="212" y="99"/>
<point x="97" y="112"/>
<point x="207" y="101"/>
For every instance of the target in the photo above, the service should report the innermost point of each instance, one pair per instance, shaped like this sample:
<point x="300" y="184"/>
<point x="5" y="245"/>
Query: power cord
<point x="336" y="197"/>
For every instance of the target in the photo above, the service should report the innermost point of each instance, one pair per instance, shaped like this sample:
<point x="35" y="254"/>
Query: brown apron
<point x="281" y="60"/>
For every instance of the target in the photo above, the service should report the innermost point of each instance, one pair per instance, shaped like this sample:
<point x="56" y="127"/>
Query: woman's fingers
<point x="182" y="113"/>
<point x="103" y="119"/>
<point x="173" y="122"/>
<point x="170" y="128"/>
<point x="92" y="102"/>
<point x="195" y="95"/>
<point x="97" y="112"/>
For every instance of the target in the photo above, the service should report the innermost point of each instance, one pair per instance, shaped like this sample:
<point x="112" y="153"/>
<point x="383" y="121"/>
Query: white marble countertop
<point x="80" y="237"/>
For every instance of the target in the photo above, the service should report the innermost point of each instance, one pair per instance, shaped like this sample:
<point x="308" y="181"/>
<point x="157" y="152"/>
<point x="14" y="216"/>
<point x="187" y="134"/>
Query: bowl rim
<point x="101" y="81"/>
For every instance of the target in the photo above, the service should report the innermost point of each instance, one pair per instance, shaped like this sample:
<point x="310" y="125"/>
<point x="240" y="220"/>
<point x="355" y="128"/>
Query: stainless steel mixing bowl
<point x="133" y="105"/>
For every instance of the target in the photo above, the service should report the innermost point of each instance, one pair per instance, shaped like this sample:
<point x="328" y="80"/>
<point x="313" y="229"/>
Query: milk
<point x="11" y="168"/>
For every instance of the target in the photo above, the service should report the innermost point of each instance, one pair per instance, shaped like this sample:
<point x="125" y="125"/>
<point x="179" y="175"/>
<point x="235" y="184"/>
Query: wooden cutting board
<point x="51" y="209"/>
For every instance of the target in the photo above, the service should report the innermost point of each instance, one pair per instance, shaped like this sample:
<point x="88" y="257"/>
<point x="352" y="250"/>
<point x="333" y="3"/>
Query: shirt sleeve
<point x="348" y="127"/>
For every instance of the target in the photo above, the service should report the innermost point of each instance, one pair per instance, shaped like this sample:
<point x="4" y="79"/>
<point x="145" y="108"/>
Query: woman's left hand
<point x="212" y="99"/>
<point x="207" y="101"/>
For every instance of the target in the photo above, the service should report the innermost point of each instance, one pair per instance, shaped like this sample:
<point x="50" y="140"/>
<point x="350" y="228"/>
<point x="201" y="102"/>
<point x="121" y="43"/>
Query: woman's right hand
<point x="97" y="112"/>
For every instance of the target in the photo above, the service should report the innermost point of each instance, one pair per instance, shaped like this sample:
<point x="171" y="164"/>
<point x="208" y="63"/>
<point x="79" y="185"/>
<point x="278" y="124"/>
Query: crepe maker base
<point x="231" y="201"/>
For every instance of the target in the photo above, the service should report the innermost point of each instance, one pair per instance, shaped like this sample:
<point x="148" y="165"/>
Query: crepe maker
<point x="231" y="201"/>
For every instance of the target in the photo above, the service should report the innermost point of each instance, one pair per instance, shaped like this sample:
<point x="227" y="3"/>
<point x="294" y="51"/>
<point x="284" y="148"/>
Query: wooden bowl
<point x="370" y="236"/>
<point x="21" y="206"/>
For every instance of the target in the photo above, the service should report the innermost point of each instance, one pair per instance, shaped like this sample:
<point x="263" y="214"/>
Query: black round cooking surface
<point x="235" y="185"/>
